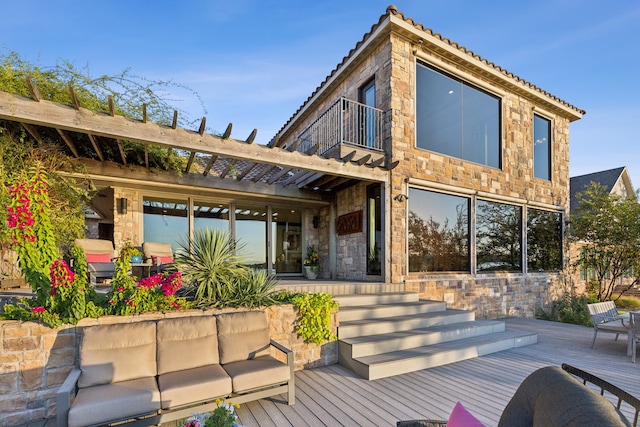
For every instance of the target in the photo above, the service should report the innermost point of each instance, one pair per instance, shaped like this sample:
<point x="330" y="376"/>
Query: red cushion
<point x="460" y="417"/>
<point x="162" y="259"/>
<point x="98" y="258"/>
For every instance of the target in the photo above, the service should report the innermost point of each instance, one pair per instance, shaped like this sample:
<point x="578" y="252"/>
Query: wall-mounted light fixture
<point x="400" y="197"/>
<point x="316" y="221"/>
<point x="122" y="205"/>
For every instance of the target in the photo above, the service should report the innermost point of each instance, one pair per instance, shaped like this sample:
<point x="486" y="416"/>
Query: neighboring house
<point x="615" y="181"/>
<point x="415" y="162"/>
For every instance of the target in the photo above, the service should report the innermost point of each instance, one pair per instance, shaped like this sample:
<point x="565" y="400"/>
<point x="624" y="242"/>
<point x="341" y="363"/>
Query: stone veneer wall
<point x="494" y="296"/>
<point x="352" y="248"/>
<point x="35" y="359"/>
<point x="126" y="227"/>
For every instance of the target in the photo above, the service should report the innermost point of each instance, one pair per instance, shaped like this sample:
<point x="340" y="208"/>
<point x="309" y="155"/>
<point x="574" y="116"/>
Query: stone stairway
<point x="391" y="333"/>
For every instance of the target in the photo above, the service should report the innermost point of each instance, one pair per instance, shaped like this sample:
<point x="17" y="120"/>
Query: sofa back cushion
<point x="242" y="336"/>
<point x="186" y="343"/>
<point x="118" y="352"/>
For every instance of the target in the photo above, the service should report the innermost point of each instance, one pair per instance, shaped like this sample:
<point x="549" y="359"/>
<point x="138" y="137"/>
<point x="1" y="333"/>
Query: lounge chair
<point x="100" y="256"/>
<point x="159" y="254"/>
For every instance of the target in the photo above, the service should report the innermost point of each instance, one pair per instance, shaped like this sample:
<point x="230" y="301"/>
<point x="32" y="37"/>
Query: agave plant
<point x="210" y="266"/>
<point x="256" y="289"/>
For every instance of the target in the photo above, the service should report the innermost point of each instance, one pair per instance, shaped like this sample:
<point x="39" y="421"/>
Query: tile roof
<point x="606" y="178"/>
<point x="392" y="10"/>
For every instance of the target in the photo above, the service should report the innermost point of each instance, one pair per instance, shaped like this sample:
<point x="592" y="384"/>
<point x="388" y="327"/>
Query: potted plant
<point x="128" y="250"/>
<point x="223" y="416"/>
<point x="312" y="263"/>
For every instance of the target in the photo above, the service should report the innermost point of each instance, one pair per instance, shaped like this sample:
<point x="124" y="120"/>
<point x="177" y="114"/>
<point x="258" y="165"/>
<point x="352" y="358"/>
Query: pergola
<point x="213" y="162"/>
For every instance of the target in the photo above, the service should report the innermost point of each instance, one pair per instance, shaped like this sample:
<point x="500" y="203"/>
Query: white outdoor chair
<point x="605" y="318"/>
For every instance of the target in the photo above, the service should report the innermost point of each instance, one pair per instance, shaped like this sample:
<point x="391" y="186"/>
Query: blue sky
<point x="254" y="62"/>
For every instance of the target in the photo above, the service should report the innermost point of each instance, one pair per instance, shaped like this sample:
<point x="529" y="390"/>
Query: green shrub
<point x="569" y="309"/>
<point x="314" y="322"/>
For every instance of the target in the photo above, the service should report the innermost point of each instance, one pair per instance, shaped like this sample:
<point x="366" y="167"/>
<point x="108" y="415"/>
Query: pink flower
<point x="38" y="309"/>
<point x="120" y="289"/>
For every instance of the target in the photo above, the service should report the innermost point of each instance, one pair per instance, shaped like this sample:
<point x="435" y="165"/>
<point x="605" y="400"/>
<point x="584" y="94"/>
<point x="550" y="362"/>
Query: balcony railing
<point x="345" y="122"/>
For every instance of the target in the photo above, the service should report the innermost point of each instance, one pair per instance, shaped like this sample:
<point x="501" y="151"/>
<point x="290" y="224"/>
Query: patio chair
<point x="605" y="318"/>
<point x="159" y="254"/>
<point x="634" y="319"/>
<point x="100" y="256"/>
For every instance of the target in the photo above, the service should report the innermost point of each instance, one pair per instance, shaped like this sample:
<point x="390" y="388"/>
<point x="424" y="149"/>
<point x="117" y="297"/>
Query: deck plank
<point x="335" y="396"/>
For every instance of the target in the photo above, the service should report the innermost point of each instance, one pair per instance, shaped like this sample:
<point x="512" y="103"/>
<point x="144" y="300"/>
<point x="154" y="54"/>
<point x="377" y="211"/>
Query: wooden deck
<point x="333" y="396"/>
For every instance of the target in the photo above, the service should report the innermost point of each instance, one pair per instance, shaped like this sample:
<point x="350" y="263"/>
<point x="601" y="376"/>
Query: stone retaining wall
<point x="35" y="359"/>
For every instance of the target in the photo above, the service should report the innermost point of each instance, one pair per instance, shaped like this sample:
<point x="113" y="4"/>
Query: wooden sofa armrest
<point x="291" y="390"/>
<point x="63" y="397"/>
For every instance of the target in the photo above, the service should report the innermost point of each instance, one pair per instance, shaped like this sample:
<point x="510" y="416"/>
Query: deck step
<point x="374" y="311"/>
<point x="376" y="298"/>
<point x="401" y="340"/>
<point x="413" y="359"/>
<point x="383" y="325"/>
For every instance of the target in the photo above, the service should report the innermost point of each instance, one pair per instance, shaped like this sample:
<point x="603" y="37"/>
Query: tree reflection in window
<point x="438" y="232"/>
<point x="544" y="240"/>
<point x="498" y="236"/>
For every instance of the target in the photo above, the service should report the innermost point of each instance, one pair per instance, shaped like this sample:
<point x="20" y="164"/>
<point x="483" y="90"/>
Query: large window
<point x="165" y="220"/>
<point x="498" y="236"/>
<point x="287" y="247"/>
<point x="544" y="240"/>
<point x="251" y="235"/>
<point x="541" y="147"/>
<point x="210" y="215"/>
<point x="438" y="232"/>
<point x="456" y="119"/>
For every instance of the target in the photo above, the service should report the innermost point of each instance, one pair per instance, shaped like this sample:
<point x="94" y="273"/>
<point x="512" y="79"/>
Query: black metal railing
<point x="345" y="122"/>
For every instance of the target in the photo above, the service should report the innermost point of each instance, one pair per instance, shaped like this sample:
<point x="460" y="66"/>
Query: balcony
<point x="348" y="125"/>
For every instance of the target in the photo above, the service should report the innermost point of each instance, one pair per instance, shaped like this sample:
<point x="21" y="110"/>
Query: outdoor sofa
<point x="151" y="372"/>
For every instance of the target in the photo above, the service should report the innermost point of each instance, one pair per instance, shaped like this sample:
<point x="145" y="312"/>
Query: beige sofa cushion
<point x="96" y="246"/>
<point x="115" y="353"/>
<point x="256" y="373"/>
<point x="242" y="336"/>
<point x="186" y="343"/>
<point x="193" y="385"/>
<point x="102" y="403"/>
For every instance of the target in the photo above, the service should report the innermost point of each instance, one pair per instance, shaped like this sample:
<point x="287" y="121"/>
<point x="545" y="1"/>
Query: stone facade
<point x="35" y="359"/>
<point x="390" y="60"/>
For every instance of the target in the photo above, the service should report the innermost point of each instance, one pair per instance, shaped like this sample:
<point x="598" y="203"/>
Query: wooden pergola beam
<point x="53" y="115"/>
<point x="33" y="90"/>
<point x="34" y="133"/>
<point x="96" y="146"/>
<point x="69" y="143"/>
<point x="212" y="160"/>
<point x="121" y="149"/>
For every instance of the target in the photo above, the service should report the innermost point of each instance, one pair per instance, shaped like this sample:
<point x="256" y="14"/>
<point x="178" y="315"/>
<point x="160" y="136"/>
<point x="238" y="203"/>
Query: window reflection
<point x="287" y="248"/>
<point x="210" y="215"/>
<point x="498" y="236"/>
<point x="456" y="119"/>
<point x="165" y="220"/>
<point x="541" y="147"/>
<point x="438" y="232"/>
<point x="251" y="234"/>
<point x="544" y="240"/>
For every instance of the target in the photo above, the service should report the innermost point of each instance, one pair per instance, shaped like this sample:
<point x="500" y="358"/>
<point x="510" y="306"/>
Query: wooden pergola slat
<point x="69" y="143"/>
<point x="212" y="160"/>
<point x="96" y="146"/>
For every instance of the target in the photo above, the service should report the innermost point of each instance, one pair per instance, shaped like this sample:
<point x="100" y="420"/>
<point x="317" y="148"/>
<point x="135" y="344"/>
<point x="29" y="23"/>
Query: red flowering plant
<point x="153" y="293"/>
<point x="60" y="296"/>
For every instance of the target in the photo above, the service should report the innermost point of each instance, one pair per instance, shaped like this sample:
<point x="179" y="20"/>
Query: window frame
<point x="549" y="145"/>
<point x="467" y="82"/>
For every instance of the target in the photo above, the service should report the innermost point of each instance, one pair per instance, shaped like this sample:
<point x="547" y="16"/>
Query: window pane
<point x="286" y="226"/>
<point x="456" y="119"/>
<point x="498" y="236"/>
<point x="544" y="240"/>
<point x="438" y="232"/>
<point x="165" y="220"/>
<point x="541" y="148"/>
<point x="210" y="215"/>
<point x="374" y="229"/>
<point x="251" y="233"/>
